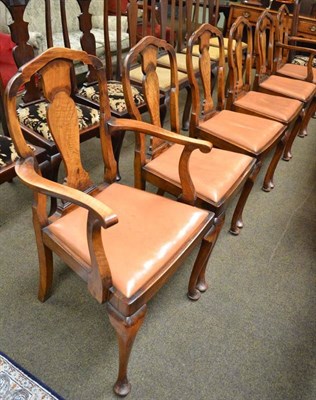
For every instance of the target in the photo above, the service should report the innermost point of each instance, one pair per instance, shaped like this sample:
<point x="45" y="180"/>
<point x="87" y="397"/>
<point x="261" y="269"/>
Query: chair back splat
<point x="97" y="233"/>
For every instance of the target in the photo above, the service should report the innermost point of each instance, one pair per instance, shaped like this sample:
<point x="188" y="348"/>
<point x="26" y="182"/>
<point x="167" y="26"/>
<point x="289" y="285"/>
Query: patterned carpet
<point x="18" y="384"/>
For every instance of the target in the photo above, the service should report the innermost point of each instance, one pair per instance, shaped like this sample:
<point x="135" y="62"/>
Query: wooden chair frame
<point x="126" y="314"/>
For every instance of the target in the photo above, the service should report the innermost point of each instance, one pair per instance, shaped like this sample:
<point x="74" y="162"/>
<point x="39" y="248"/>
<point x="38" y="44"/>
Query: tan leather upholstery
<point x="280" y="108"/>
<point x="214" y="42"/>
<point x="292" y="88"/>
<point x="150" y="229"/>
<point x="136" y="75"/>
<point x="214" y="52"/>
<point x="249" y="132"/>
<point x="181" y="61"/>
<point x="296" y="71"/>
<point x="213" y="174"/>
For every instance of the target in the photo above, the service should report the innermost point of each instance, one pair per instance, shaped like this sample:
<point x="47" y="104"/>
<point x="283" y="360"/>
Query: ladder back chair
<point x="226" y="129"/>
<point x="243" y="99"/>
<point x="217" y="176"/>
<point x="268" y="82"/>
<point x="98" y="234"/>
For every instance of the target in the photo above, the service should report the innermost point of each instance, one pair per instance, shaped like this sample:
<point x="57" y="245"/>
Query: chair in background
<point x="98" y="234"/>
<point x="217" y="176"/>
<point x="228" y="130"/>
<point x="302" y="67"/>
<point x="31" y="110"/>
<point x="244" y="100"/>
<point x="268" y="82"/>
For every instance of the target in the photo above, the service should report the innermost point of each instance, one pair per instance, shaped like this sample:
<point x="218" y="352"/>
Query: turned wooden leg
<point x="126" y="329"/>
<point x="287" y="155"/>
<point x="306" y="118"/>
<point x="237" y="222"/>
<point x="197" y="283"/>
<point x="117" y="142"/>
<point x="268" y="184"/>
<point x="187" y="110"/>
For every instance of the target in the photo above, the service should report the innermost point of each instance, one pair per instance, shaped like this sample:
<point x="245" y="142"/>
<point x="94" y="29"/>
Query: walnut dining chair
<point x="124" y="242"/>
<point x="217" y="176"/>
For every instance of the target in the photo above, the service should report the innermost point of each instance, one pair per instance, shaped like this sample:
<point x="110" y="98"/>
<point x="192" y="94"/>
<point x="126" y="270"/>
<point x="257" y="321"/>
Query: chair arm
<point x="122" y="124"/>
<point x="190" y="144"/>
<point x="297" y="48"/>
<point x="26" y="172"/>
<point x="302" y="40"/>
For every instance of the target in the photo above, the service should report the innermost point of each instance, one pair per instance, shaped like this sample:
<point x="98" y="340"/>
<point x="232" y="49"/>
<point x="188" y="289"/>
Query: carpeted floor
<point x="251" y="336"/>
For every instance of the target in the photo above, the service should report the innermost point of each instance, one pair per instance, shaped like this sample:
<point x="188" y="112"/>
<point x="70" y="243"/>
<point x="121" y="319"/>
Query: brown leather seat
<point x="249" y="132"/>
<point x="148" y="240"/>
<point x="213" y="175"/>
<point x="288" y="87"/>
<point x="279" y="108"/>
<point x="296" y="71"/>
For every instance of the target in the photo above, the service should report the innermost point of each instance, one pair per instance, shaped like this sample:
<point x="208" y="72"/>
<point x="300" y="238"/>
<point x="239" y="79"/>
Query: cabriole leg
<point x="126" y="329"/>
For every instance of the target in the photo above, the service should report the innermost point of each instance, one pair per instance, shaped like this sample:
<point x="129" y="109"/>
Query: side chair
<point x="229" y="130"/>
<point x="243" y="99"/>
<point x="217" y="176"/>
<point x="124" y="242"/>
<point x="266" y="81"/>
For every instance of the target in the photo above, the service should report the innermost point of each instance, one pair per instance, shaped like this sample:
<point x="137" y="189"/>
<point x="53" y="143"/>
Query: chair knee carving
<point x="97" y="234"/>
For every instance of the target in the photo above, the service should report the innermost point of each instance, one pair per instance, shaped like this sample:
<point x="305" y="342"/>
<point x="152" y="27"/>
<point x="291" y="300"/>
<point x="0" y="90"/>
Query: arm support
<point x="26" y="172"/>
<point x="123" y="124"/>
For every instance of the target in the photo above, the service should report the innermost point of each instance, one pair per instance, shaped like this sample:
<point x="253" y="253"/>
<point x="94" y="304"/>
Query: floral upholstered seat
<point x="33" y="116"/>
<point x="303" y="60"/>
<point x="7" y="151"/>
<point x="116" y="95"/>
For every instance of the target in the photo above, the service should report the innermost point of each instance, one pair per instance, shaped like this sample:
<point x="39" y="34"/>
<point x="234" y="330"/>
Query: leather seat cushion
<point x="8" y="153"/>
<point x="181" y="61"/>
<point x="115" y="93"/>
<point x="163" y="74"/>
<point x="213" y="174"/>
<point x="292" y="88"/>
<point x="34" y="117"/>
<point x="296" y="71"/>
<point x="249" y="132"/>
<point x="150" y="232"/>
<point x="280" y="108"/>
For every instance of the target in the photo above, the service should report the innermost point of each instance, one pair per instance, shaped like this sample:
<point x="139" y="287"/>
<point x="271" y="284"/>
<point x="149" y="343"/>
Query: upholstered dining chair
<point x="217" y="176"/>
<point x="124" y="242"/>
<point x="268" y="82"/>
<point x="226" y="129"/>
<point x="243" y="99"/>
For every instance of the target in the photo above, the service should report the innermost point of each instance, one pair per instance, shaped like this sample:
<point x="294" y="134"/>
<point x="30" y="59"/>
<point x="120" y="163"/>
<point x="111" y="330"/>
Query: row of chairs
<point x="125" y="243"/>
